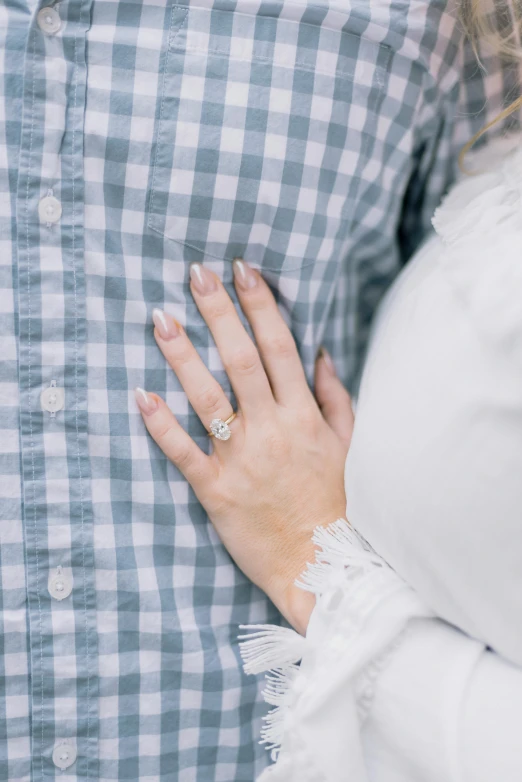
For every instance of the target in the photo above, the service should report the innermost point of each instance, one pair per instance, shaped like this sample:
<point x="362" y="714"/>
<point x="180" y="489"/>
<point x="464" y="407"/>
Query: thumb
<point x="333" y="399"/>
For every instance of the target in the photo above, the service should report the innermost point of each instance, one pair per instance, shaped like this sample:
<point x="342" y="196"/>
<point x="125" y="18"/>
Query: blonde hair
<point x="498" y="24"/>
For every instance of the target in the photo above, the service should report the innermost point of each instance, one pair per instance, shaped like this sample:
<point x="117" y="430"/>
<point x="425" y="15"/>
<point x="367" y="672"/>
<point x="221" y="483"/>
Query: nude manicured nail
<point x="166" y="326"/>
<point x="202" y="280"/>
<point x="146" y="402"/>
<point x="328" y="361"/>
<point x="245" y="277"/>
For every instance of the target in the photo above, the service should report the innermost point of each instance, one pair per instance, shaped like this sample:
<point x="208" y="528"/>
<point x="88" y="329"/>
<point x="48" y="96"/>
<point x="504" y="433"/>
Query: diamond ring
<point x="220" y="429"/>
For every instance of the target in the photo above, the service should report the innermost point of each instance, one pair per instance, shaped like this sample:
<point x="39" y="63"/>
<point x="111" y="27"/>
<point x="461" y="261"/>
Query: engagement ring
<point x="220" y="429"/>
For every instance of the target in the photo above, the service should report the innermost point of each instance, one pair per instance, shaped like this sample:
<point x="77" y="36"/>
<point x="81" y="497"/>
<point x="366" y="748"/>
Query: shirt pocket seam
<point x="259" y="58"/>
<point x="280" y="21"/>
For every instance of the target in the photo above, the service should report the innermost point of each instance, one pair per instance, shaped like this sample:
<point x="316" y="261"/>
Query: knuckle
<point x="183" y="458"/>
<point x="221" y="506"/>
<point x="309" y="417"/>
<point x="258" y="299"/>
<point x="163" y="432"/>
<point x="282" y="345"/>
<point x="218" y="307"/>
<point x="210" y="399"/>
<point x="244" y="360"/>
<point x="277" y="445"/>
<point x="183" y="356"/>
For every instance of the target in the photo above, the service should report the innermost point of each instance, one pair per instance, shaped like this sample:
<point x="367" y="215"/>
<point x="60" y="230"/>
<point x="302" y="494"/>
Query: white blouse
<point x="382" y="689"/>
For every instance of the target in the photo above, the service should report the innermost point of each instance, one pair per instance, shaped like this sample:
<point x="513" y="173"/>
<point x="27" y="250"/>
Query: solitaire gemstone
<point x="220" y="429"/>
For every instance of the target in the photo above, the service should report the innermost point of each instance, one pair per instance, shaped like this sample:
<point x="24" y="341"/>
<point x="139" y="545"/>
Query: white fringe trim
<point x="270" y="647"/>
<point x="342" y="555"/>
<point x="277" y="650"/>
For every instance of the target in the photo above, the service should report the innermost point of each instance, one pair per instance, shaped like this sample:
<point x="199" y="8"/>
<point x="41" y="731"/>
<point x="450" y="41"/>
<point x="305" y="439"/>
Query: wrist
<point x="297" y="606"/>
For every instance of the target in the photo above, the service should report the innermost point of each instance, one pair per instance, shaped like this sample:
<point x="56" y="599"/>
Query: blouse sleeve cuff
<point x="362" y="608"/>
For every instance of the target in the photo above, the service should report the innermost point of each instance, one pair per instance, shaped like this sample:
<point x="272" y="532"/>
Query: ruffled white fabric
<point x="433" y="474"/>
<point x="480" y="223"/>
<point x="362" y="609"/>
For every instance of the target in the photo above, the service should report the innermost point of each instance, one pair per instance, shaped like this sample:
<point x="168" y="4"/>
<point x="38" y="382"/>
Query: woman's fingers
<point x="276" y="344"/>
<point x="238" y="353"/>
<point x="175" y="443"/>
<point x="203" y="391"/>
<point x="333" y="398"/>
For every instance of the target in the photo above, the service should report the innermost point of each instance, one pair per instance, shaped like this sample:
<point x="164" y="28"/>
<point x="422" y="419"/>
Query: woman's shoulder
<point x="480" y="233"/>
<point x="486" y="201"/>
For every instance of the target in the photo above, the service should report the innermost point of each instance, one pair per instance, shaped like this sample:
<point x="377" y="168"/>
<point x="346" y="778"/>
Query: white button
<point x="49" y="209"/>
<point x="49" y="21"/>
<point x="64" y="755"/>
<point x="60" y="583"/>
<point x="52" y="399"/>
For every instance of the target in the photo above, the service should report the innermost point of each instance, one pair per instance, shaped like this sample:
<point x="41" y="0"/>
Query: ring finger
<point x="203" y="391"/>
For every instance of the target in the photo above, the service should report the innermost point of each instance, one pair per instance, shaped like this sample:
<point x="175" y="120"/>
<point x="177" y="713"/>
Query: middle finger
<point x="238" y="353"/>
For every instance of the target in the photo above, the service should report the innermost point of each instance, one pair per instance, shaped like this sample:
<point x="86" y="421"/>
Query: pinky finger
<point x="175" y="443"/>
<point x="333" y="399"/>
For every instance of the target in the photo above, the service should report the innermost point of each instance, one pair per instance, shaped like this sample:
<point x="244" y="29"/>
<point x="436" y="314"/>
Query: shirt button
<point x="60" y="583"/>
<point x="49" y="21"/>
<point x="52" y="399"/>
<point x="64" y="755"/>
<point x="49" y="210"/>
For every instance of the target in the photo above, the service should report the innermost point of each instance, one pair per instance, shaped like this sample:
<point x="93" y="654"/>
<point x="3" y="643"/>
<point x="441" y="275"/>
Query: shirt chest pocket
<point x="265" y="128"/>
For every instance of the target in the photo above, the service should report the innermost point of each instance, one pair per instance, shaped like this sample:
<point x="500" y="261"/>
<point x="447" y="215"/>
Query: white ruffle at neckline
<point x="488" y="201"/>
<point x="480" y="224"/>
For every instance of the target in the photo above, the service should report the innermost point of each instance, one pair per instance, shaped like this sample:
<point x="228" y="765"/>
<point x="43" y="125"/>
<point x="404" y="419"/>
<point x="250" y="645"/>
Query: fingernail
<point x="146" y="402"/>
<point x="202" y="279"/>
<point x="328" y="361"/>
<point x="245" y="277"/>
<point x="166" y="326"/>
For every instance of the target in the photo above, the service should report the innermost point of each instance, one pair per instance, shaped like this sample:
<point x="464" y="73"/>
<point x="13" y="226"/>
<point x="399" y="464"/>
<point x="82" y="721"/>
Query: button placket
<point x="50" y="193"/>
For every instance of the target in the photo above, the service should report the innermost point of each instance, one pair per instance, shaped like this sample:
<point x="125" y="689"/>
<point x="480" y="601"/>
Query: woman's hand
<point x="281" y="472"/>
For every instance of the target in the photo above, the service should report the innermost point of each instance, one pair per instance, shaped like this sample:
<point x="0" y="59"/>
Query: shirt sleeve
<point x="486" y="84"/>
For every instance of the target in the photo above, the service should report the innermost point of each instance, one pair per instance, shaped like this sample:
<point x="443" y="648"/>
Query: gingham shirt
<point x="312" y="138"/>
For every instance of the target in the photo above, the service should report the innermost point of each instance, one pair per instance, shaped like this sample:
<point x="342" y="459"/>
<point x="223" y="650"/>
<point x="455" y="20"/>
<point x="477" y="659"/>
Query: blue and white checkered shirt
<point x="312" y="138"/>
